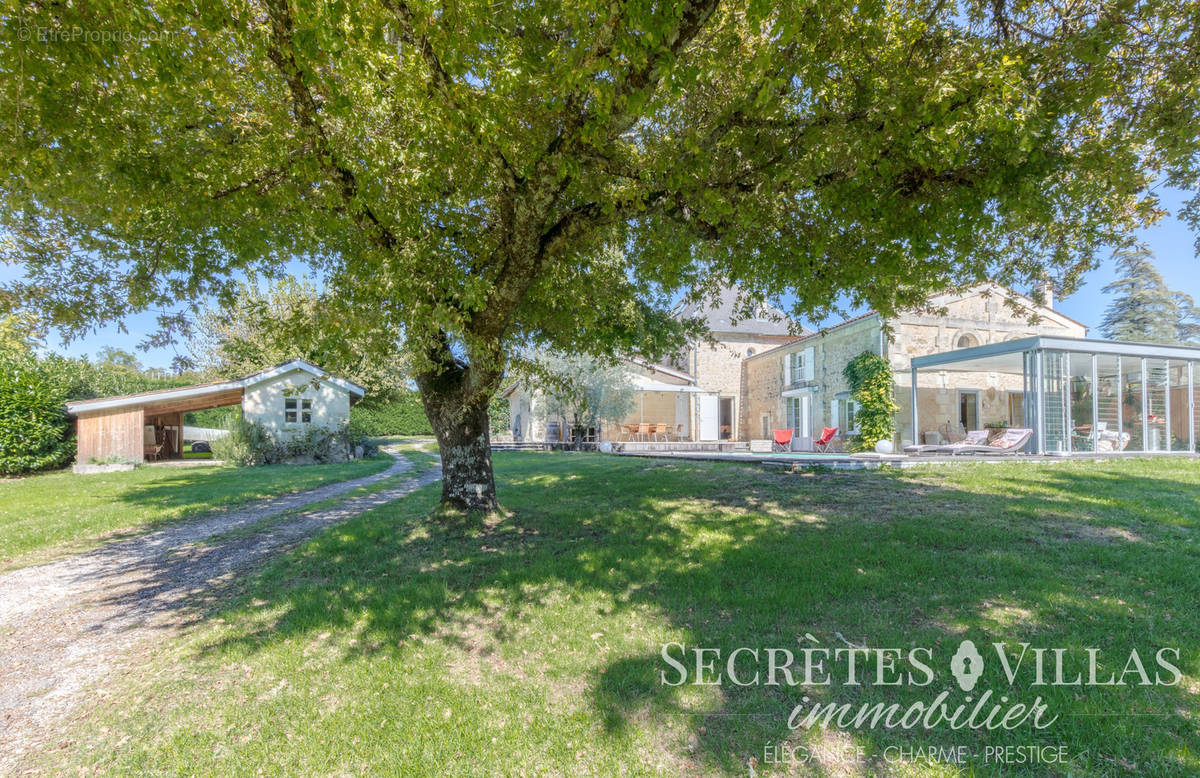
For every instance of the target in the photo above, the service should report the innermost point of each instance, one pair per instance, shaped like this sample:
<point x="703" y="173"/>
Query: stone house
<point x="698" y="396"/>
<point x="800" y="386"/>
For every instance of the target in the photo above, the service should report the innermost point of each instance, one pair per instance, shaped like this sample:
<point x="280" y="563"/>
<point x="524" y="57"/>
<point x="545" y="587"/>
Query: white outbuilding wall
<point x="265" y="403"/>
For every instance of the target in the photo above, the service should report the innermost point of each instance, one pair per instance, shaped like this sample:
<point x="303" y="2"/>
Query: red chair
<point x="783" y="440"/>
<point x="822" y="443"/>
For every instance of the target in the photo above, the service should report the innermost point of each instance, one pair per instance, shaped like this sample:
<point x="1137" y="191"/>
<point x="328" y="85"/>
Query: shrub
<point x="248" y="443"/>
<point x="34" y="429"/>
<point x="871" y="386"/>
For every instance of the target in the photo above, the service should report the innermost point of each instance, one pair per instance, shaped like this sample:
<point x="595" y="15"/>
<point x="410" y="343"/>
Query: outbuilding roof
<point x="217" y="387"/>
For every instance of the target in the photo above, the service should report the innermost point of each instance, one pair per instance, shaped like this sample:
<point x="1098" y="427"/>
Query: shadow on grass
<point x="722" y="556"/>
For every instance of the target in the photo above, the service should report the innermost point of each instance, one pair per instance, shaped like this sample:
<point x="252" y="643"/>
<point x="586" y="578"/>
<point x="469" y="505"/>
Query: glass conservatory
<point x="1079" y="396"/>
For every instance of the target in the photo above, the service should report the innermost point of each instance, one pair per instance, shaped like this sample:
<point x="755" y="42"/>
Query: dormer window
<point x="297" y="410"/>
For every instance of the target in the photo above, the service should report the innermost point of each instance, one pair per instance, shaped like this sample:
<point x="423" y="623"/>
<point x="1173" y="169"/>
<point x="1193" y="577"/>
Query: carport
<point x="133" y="427"/>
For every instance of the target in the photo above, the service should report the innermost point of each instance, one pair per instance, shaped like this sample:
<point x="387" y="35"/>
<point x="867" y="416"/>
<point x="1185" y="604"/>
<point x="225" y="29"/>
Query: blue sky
<point x="1170" y="240"/>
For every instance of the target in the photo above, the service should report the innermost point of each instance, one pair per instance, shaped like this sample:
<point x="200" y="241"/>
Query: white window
<point x="297" y="410"/>
<point x="844" y="414"/>
<point x="800" y="366"/>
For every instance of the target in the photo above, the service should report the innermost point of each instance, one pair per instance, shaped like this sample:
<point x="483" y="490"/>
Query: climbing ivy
<point x="870" y="378"/>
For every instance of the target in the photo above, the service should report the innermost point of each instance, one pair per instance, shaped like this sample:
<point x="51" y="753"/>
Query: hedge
<point x="34" y="429"/>
<point x="401" y="413"/>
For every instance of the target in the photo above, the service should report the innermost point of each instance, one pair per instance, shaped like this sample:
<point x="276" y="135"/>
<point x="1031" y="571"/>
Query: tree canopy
<point x="290" y="319"/>
<point x="1145" y="309"/>
<point x="483" y="176"/>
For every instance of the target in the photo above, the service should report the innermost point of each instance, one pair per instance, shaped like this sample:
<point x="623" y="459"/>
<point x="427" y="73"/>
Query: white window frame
<point x="800" y="366"/>
<point x="297" y="410"/>
<point x="844" y="406"/>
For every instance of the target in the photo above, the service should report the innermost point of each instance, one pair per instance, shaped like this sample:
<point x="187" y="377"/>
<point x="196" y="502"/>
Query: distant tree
<point x="583" y="390"/>
<point x="1145" y="309"/>
<point x="257" y="328"/>
<point x="118" y="358"/>
<point x="20" y="333"/>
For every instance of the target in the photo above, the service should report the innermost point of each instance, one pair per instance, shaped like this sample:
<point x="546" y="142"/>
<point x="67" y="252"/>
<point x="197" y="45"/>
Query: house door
<point x="709" y="417"/>
<point x="726" y="418"/>
<point x="968" y="410"/>
<point x="1016" y="409"/>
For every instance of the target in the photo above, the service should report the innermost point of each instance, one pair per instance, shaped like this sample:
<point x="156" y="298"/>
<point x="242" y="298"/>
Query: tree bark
<point x="460" y="421"/>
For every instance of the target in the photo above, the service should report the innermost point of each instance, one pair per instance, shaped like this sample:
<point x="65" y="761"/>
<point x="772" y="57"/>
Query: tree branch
<point x="307" y="114"/>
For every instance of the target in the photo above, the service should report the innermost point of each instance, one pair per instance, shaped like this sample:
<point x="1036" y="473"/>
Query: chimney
<point x="1048" y="294"/>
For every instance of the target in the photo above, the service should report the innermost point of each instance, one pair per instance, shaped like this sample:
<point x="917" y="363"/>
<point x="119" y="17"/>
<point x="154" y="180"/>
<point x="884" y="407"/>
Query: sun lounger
<point x="974" y="438"/>
<point x="1011" y="442"/>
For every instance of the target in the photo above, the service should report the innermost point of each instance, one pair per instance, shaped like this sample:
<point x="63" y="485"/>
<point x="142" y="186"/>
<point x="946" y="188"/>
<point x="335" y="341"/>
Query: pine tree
<point x="1145" y="309"/>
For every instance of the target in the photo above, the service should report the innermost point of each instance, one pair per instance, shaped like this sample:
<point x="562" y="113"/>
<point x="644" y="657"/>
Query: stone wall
<point x="717" y="367"/>
<point x="970" y="320"/>
<point x="765" y="375"/>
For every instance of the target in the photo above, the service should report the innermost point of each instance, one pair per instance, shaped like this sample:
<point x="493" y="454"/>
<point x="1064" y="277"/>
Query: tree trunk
<point x="462" y="430"/>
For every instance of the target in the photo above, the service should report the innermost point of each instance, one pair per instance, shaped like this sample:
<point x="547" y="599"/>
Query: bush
<point x="34" y="428"/>
<point x="212" y="418"/>
<point x="250" y="443"/>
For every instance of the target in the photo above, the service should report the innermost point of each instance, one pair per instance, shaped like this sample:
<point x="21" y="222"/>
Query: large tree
<point x="1145" y="309"/>
<point x="482" y="176"/>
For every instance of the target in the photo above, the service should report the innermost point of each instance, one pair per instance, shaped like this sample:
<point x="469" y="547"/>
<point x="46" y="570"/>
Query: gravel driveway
<point x="67" y="624"/>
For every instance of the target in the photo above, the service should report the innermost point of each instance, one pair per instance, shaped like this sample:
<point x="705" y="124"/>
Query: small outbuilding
<point x="287" y="399"/>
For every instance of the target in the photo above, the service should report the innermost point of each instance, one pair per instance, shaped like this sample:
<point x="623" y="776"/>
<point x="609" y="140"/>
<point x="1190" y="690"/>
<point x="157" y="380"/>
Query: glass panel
<point x="1196" y="405"/>
<point x="1177" y="405"/>
<point x="1156" y="405"/>
<point x="1109" y="434"/>
<point x="290" y="404"/>
<point x="1054" y="399"/>
<point x="306" y="405"/>
<point x="1082" y="426"/>
<point x="1131" y="402"/>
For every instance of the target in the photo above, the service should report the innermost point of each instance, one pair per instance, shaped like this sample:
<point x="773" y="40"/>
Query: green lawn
<point x="530" y="644"/>
<point x="45" y="515"/>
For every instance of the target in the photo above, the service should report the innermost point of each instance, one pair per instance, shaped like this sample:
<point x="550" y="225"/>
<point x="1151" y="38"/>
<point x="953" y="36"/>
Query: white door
<point x="709" y="417"/>
<point x="806" y="416"/>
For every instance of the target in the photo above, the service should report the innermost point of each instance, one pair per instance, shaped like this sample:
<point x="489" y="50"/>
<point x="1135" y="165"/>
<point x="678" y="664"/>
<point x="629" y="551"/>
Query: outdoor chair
<point x="661" y="432"/>
<point x="822" y="444"/>
<point x="782" y="440"/>
<point x="645" y="430"/>
<point x="678" y="432"/>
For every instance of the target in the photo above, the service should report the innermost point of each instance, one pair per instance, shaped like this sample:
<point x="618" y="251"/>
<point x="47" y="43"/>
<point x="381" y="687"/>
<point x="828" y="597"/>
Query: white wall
<point x="264" y="403"/>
